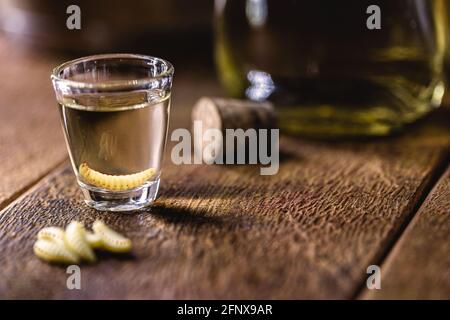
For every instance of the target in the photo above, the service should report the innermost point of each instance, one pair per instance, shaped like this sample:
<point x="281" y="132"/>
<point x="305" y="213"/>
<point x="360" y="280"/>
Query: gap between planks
<point x="33" y="185"/>
<point x="424" y="191"/>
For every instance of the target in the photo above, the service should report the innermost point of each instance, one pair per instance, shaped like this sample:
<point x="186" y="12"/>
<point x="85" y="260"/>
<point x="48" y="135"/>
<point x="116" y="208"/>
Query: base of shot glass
<point x="129" y="200"/>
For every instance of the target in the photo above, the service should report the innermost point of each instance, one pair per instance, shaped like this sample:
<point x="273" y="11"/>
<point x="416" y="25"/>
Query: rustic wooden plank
<point x="225" y="232"/>
<point x="30" y="140"/>
<point x="419" y="265"/>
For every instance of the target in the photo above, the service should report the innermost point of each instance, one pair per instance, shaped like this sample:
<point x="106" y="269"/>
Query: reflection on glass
<point x="328" y="74"/>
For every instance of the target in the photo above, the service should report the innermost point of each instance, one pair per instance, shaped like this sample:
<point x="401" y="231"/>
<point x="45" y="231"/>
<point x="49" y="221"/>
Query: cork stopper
<point x="226" y="113"/>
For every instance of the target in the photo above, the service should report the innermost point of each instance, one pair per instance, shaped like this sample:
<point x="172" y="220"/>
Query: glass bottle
<point x="327" y="67"/>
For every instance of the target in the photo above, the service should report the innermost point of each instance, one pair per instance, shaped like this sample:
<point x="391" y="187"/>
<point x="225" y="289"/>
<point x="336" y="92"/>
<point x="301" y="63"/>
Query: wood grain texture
<point x="31" y="143"/>
<point x="419" y="265"/>
<point x="226" y="232"/>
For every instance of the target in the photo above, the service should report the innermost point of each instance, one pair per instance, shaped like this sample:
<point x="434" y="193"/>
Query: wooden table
<point x="310" y="231"/>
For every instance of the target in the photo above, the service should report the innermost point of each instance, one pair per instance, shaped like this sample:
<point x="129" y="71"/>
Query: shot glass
<point x="115" y="112"/>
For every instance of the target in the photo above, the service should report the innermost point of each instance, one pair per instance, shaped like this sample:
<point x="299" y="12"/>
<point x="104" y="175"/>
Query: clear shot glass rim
<point x="115" y="84"/>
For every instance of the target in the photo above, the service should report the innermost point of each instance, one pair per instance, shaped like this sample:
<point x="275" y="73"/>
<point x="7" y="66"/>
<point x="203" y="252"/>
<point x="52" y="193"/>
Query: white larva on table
<point x="53" y="251"/>
<point x="75" y="243"/>
<point x="52" y="234"/>
<point x="75" y="240"/>
<point x="112" y="182"/>
<point x="111" y="240"/>
<point x="93" y="239"/>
